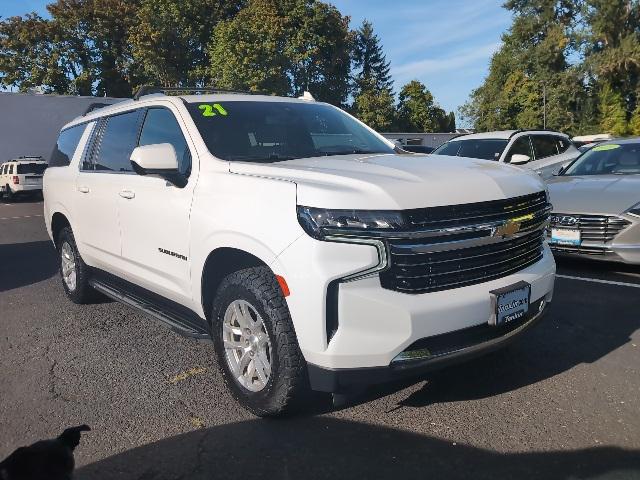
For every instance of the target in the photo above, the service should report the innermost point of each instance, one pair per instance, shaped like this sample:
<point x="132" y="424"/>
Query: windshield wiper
<point x="274" y="157"/>
<point x="351" y="151"/>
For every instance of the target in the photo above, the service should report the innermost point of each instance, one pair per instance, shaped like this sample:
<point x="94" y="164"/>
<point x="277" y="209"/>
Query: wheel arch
<point x="219" y="263"/>
<point x="58" y="221"/>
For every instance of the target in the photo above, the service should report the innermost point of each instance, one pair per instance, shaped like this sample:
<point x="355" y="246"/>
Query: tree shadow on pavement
<point x="321" y="447"/>
<point x="23" y="264"/>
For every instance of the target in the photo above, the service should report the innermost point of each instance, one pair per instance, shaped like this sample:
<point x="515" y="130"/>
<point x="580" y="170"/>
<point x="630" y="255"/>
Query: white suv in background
<point x="297" y="239"/>
<point x="22" y="175"/>
<point x="542" y="151"/>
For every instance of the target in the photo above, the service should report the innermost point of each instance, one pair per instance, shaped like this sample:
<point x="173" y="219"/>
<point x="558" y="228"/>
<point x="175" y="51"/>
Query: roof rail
<point x="148" y="90"/>
<point x="95" y="106"/>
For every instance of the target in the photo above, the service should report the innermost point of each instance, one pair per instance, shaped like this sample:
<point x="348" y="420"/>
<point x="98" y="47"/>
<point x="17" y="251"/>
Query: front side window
<point x="608" y="159"/>
<point x="482" y="148"/>
<point x="118" y="140"/>
<point x="521" y="146"/>
<point x="161" y="126"/>
<point x="544" y="146"/>
<point x="3" y="170"/>
<point x="66" y="145"/>
<point x="274" y="131"/>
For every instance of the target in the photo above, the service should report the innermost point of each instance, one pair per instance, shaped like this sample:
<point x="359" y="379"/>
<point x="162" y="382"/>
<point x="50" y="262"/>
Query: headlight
<point x="320" y="222"/>
<point x="635" y="210"/>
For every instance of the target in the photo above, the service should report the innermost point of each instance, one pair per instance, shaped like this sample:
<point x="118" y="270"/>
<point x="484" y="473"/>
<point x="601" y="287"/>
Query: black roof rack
<point x="95" y="106"/>
<point x="516" y="132"/>
<point x="148" y="90"/>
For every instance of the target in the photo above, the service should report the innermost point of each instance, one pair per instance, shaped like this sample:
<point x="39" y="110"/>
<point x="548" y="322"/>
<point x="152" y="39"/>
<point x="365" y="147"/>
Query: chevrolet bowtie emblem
<point x="510" y="227"/>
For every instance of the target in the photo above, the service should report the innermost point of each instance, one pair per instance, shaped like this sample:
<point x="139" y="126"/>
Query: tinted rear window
<point x="66" y="146"/>
<point x="35" y="168"/>
<point x="485" y="148"/>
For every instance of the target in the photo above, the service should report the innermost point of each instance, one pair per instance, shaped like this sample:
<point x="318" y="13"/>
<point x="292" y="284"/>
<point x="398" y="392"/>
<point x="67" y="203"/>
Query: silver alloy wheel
<point x="68" y="264"/>
<point x="247" y="346"/>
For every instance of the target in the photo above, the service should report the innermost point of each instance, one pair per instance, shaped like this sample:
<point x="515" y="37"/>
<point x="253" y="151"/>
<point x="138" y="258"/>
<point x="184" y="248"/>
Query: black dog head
<point x="71" y="436"/>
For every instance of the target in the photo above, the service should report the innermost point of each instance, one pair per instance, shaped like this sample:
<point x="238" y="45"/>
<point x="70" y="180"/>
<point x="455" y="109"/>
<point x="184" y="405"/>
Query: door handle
<point x="83" y="189"/>
<point x="127" y="194"/>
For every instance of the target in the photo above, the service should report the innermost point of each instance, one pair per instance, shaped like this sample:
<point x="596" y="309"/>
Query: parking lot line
<point x="597" y="280"/>
<point x="18" y="218"/>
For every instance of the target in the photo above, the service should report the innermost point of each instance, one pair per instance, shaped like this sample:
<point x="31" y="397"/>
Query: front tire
<point x="256" y="344"/>
<point x="73" y="271"/>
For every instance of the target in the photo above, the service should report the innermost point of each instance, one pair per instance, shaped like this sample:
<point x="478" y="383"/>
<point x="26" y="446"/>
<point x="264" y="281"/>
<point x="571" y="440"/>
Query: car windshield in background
<point x="608" y="159"/>
<point x="34" y="168"/>
<point x="485" y="148"/>
<point x="275" y="131"/>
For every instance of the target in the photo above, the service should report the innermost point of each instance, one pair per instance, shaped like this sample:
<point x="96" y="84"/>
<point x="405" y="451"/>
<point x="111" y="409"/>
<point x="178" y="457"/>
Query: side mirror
<point x="519" y="159"/>
<point x="159" y="159"/>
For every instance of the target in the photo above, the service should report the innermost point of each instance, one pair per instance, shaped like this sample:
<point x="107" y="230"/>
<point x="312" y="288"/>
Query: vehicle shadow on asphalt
<point x="331" y="448"/>
<point x="577" y="329"/>
<point x="23" y="264"/>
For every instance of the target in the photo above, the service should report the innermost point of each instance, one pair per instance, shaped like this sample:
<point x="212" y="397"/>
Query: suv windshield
<point x="37" y="168"/>
<point x="484" y="148"/>
<point x="607" y="159"/>
<point x="275" y="131"/>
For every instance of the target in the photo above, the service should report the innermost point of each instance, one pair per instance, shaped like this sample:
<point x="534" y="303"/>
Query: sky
<point x="446" y="44"/>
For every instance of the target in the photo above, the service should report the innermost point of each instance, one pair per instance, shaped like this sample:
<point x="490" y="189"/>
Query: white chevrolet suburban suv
<point x="297" y="239"/>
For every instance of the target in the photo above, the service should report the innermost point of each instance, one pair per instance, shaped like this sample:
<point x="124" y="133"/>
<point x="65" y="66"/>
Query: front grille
<point x="593" y="228"/>
<point x="453" y="260"/>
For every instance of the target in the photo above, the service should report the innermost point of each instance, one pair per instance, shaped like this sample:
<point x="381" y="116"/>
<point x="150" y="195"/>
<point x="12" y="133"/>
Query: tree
<point x="533" y="59"/>
<point x="375" y="108"/>
<point x="418" y="112"/>
<point x="634" y="123"/>
<point x="83" y="49"/>
<point x="612" y="112"/>
<point x="247" y="52"/>
<point x="369" y="58"/>
<point x="169" y="41"/>
<point x="284" y="47"/>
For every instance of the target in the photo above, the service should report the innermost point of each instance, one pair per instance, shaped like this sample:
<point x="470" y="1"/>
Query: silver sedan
<point x="596" y="204"/>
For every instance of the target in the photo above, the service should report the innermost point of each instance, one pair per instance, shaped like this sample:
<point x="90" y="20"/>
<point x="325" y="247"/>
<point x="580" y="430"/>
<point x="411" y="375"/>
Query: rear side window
<point x="3" y="170"/>
<point x="117" y="141"/>
<point x="31" y="168"/>
<point x="161" y="126"/>
<point x="66" y="146"/>
<point x="544" y="146"/>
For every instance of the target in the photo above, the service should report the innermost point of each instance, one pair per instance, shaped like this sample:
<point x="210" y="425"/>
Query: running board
<point x="173" y="320"/>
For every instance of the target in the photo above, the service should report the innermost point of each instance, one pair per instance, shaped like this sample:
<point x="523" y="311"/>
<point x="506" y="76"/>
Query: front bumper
<point x="623" y="248"/>
<point x="374" y="324"/>
<point x="423" y="360"/>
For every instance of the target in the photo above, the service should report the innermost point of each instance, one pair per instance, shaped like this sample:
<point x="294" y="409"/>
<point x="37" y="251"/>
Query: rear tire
<point x="73" y="271"/>
<point x="249" y="305"/>
<point x="8" y="194"/>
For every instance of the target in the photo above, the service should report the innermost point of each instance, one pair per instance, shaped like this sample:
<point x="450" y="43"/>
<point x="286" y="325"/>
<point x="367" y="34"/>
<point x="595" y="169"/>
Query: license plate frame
<point x="510" y="303"/>
<point x="566" y="236"/>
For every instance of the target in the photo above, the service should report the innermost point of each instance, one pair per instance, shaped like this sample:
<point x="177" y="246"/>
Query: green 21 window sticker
<point x="604" y="148"/>
<point x="208" y="110"/>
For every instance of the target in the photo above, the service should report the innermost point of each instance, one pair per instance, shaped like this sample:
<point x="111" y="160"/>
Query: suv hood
<point x="612" y="194"/>
<point x="395" y="182"/>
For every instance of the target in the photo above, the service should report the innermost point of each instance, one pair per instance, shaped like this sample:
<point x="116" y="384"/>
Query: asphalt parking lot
<point x="562" y="403"/>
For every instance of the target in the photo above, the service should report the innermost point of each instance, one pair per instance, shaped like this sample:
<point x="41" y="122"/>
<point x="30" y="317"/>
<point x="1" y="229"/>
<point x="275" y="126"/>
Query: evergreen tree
<point x="375" y="108"/>
<point x="613" y="118"/>
<point x="634" y="123"/>
<point x="370" y="60"/>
